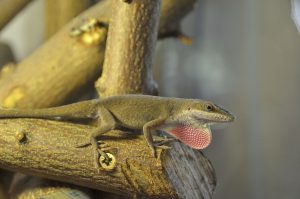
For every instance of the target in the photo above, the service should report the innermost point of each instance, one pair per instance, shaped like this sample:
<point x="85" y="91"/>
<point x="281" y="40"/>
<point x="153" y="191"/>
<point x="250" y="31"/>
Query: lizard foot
<point x="154" y="147"/>
<point x="103" y="159"/>
<point x="162" y="140"/>
<point x="160" y="143"/>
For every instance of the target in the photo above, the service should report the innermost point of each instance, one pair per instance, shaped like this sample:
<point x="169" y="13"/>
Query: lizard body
<point x="186" y="119"/>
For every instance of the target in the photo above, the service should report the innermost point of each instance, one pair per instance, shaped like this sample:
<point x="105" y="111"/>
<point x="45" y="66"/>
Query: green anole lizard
<point x="185" y="119"/>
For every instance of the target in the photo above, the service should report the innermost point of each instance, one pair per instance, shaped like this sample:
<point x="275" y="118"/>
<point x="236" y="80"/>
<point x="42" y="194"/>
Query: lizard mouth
<point x="195" y="137"/>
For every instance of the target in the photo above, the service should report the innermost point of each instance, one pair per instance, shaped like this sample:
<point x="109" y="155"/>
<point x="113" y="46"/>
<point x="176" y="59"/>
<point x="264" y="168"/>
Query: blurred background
<point x="245" y="57"/>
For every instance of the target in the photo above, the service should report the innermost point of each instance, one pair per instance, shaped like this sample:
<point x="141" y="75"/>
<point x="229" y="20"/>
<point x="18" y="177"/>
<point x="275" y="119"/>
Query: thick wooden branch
<point x="47" y="148"/>
<point x="9" y="9"/>
<point x="57" y="69"/>
<point x="129" y="50"/>
<point x="65" y="64"/>
<point x="60" y="12"/>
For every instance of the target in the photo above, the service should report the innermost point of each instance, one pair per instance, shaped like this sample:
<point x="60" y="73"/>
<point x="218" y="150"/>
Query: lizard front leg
<point x="147" y="132"/>
<point x="106" y="123"/>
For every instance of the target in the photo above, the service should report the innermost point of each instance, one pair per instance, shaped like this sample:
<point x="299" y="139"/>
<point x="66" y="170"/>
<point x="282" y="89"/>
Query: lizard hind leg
<point x="106" y="123"/>
<point x="95" y="144"/>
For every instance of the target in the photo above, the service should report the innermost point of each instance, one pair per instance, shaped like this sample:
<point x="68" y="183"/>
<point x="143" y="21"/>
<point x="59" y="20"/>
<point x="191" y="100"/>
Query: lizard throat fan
<point x="194" y="137"/>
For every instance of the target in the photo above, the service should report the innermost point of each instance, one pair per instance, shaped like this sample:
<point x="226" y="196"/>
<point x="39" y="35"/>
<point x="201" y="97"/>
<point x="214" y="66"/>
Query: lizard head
<point x="191" y="124"/>
<point x="207" y="112"/>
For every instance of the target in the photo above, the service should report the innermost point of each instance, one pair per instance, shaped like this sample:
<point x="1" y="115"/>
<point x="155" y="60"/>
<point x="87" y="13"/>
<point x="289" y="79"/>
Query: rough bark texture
<point x="47" y="149"/>
<point x="129" y="50"/>
<point x="64" y="64"/>
<point x="9" y="9"/>
<point x="60" y="12"/>
<point x="190" y="172"/>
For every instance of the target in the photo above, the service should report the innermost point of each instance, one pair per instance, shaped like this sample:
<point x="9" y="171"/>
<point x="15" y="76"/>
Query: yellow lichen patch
<point x="13" y="98"/>
<point x="110" y="165"/>
<point x="91" y="38"/>
<point x="20" y="137"/>
<point x="90" y="33"/>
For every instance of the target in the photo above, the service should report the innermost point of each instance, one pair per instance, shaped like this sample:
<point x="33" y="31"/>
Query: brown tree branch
<point x="9" y="9"/>
<point x="129" y="50"/>
<point x="47" y="149"/>
<point x="57" y="157"/>
<point x="65" y="64"/>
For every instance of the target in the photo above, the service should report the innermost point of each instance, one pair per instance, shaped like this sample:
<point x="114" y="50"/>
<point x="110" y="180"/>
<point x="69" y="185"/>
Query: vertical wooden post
<point x="130" y="45"/>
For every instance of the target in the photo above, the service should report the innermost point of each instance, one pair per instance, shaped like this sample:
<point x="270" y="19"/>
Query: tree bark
<point x="64" y="65"/>
<point x="9" y="9"/>
<point x="130" y="47"/>
<point x="47" y="148"/>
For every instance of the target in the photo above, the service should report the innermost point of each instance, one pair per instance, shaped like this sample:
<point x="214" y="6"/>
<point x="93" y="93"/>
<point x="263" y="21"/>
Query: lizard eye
<point x="209" y="107"/>
<point x="189" y="108"/>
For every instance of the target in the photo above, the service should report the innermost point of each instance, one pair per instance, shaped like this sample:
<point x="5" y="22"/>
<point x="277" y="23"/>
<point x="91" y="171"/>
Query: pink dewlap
<point x="196" y="138"/>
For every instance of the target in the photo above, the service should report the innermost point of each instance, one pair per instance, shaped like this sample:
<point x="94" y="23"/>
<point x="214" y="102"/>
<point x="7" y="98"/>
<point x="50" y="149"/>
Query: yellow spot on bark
<point x="90" y="33"/>
<point x="21" y="137"/>
<point x="110" y="165"/>
<point x="91" y="38"/>
<point x="13" y="98"/>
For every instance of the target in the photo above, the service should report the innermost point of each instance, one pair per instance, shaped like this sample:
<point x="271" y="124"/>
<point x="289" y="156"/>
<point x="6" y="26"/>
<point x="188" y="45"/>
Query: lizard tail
<point x="81" y="110"/>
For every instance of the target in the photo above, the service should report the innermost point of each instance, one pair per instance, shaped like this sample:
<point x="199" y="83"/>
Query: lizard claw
<point x="160" y="143"/>
<point x="103" y="146"/>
